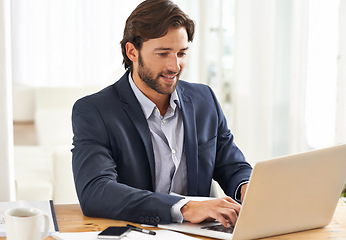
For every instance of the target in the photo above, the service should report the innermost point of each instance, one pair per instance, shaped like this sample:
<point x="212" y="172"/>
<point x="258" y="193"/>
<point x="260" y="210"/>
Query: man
<point x="148" y="137"/>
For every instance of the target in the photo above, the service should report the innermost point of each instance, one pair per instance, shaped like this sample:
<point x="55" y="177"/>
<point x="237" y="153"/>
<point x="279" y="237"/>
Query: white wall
<point x="6" y="128"/>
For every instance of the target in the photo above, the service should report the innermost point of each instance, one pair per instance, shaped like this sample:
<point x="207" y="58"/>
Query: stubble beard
<point x="153" y="82"/>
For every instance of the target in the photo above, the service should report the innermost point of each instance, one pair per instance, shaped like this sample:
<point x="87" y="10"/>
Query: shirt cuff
<point x="237" y="191"/>
<point x="176" y="214"/>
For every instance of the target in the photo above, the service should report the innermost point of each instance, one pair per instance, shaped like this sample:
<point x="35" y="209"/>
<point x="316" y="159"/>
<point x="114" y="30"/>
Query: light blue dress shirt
<point x="167" y="135"/>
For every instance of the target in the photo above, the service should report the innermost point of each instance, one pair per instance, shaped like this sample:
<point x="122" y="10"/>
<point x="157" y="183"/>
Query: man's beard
<point x="153" y="82"/>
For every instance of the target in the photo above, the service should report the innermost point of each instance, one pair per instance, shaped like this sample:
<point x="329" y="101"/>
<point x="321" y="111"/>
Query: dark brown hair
<point x="152" y="19"/>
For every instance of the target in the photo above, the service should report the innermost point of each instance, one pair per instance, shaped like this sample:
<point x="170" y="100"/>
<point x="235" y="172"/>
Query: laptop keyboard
<point x="220" y="228"/>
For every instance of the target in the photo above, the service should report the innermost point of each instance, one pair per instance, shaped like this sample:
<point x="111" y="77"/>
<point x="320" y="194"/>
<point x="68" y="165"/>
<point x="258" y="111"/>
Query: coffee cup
<point x="26" y="224"/>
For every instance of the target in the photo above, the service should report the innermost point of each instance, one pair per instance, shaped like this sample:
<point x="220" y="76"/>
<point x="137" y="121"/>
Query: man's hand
<point x="224" y="210"/>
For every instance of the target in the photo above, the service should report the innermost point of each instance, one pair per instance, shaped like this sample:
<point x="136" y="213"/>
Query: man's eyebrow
<point x="169" y="49"/>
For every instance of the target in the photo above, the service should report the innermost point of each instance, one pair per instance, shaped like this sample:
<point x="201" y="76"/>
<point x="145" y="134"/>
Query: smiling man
<point x="165" y="58"/>
<point x="144" y="146"/>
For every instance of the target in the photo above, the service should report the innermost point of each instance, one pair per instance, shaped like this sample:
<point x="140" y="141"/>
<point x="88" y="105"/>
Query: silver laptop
<point x="286" y="194"/>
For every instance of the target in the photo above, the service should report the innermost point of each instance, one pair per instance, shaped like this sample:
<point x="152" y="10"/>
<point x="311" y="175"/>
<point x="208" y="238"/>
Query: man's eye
<point x="182" y="54"/>
<point x="162" y="54"/>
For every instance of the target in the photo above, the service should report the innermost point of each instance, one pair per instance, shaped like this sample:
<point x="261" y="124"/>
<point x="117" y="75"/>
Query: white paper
<point x="133" y="235"/>
<point x="76" y="236"/>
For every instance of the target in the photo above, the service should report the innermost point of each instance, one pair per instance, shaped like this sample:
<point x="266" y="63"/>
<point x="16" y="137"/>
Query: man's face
<point x="161" y="61"/>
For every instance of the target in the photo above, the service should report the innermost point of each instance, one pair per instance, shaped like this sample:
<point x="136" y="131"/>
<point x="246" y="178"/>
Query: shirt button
<point x="164" y="121"/>
<point x="173" y="151"/>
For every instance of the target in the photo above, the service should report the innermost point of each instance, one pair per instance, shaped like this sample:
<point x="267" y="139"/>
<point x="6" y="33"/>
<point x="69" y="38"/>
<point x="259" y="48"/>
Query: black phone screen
<point x="114" y="233"/>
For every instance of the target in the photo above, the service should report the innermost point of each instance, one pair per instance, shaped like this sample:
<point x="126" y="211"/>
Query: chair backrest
<point x="64" y="188"/>
<point x="53" y="113"/>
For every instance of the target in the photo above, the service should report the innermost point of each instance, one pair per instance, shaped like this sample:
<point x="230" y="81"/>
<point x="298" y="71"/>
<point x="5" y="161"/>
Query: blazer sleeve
<point x="96" y="177"/>
<point x="231" y="168"/>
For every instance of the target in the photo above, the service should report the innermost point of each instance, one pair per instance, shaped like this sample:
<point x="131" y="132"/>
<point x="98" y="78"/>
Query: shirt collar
<point x="147" y="105"/>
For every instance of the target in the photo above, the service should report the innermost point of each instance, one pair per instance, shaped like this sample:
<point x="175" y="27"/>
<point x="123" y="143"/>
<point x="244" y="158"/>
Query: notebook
<point x="286" y="194"/>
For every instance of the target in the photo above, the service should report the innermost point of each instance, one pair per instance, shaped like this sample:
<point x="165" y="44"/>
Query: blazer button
<point x="147" y="220"/>
<point x="141" y="219"/>
<point x="152" y="220"/>
<point x="157" y="219"/>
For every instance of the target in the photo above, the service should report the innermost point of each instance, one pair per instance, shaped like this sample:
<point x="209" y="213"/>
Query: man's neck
<point x="162" y="104"/>
<point x="160" y="100"/>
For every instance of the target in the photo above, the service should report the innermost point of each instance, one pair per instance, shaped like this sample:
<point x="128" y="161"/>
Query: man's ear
<point x="131" y="52"/>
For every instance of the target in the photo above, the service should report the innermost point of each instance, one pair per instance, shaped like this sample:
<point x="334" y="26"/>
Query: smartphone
<point x="114" y="233"/>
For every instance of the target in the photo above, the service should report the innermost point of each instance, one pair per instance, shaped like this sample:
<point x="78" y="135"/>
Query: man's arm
<point x="231" y="171"/>
<point x="95" y="166"/>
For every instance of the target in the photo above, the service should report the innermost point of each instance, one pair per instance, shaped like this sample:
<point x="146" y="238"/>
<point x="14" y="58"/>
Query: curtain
<point x="322" y="73"/>
<point x="68" y="43"/>
<point x="290" y="76"/>
<point x="341" y="85"/>
<point x="270" y="76"/>
<point x="7" y="192"/>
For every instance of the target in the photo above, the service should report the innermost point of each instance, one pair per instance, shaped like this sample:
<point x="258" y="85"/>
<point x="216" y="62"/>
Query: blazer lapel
<point x="135" y="112"/>
<point x="190" y="141"/>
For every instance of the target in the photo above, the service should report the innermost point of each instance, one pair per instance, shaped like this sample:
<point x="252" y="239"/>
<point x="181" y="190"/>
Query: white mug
<point x="26" y="224"/>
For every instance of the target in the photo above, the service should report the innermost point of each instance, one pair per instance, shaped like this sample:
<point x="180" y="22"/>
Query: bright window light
<point x="322" y="72"/>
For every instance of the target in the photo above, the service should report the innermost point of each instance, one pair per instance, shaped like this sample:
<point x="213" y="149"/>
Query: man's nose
<point x="174" y="64"/>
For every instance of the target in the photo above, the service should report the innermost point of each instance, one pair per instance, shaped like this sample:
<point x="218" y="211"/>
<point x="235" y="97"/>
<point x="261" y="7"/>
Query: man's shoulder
<point x="109" y="94"/>
<point x="187" y="84"/>
<point x="193" y="88"/>
<point x="99" y="96"/>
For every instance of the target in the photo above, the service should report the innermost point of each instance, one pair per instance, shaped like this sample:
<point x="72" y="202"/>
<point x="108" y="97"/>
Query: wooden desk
<point x="71" y="219"/>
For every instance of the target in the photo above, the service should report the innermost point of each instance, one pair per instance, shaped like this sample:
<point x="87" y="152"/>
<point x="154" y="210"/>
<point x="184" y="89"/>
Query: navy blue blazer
<point x="113" y="160"/>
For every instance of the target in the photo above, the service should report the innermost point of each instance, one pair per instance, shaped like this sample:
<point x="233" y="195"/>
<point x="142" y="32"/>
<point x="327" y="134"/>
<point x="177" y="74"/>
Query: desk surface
<point x="71" y="219"/>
